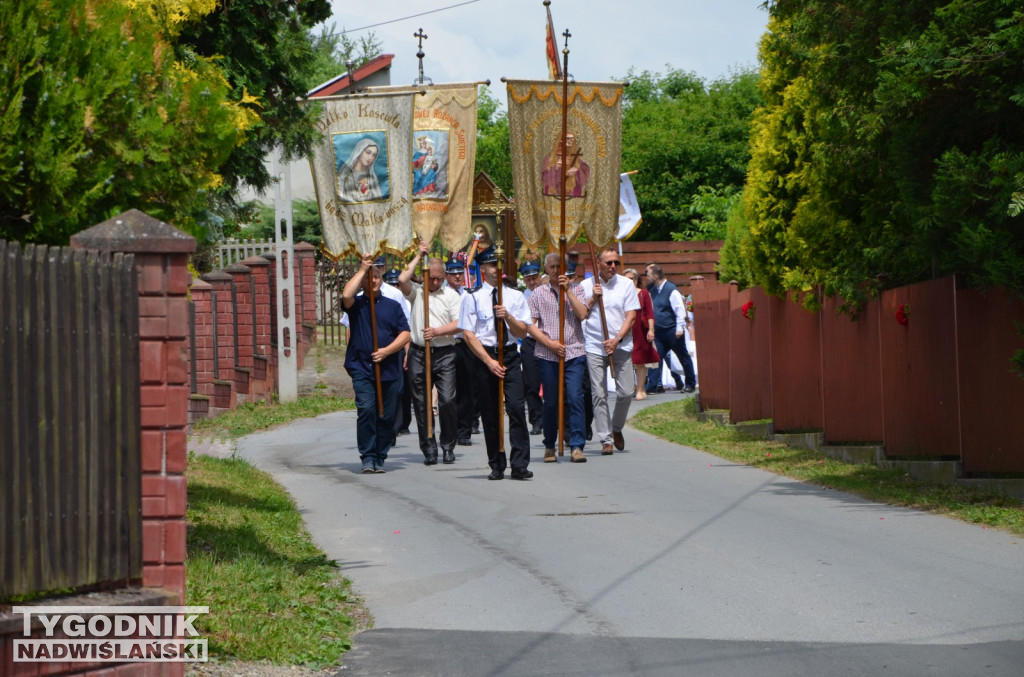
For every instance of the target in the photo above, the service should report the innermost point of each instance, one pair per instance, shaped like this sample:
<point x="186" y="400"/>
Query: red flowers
<point x="903" y="314"/>
<point x="748" y="310"/>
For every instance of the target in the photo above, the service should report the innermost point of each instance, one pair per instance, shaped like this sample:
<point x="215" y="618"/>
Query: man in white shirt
<point x="444" y="319"/>
<point x="531" y="371"/>
<point x="621" y="304"/>
<point x="478" y="318"/>
<point x="390" y="290"/>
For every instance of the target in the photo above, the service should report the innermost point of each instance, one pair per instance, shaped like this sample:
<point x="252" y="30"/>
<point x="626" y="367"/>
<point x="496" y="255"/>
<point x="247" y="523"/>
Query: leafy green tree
<point x="689" y="139"/>
<point x="96" y="117"/>
<point x="888" y="146"/>
<point x="493" y="148"/>
<point x="265" y="50"/>
<point x="333" y="50"/>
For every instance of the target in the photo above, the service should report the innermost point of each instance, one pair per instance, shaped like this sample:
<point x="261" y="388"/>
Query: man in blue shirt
<point x="374" y="434"/>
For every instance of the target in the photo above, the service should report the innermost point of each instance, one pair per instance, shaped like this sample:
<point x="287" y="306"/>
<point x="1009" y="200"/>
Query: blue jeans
<point x="374" y="434"/>
<point x="574" y="372"/>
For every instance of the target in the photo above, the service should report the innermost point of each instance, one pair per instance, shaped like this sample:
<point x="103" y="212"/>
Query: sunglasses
<point x="613" y="263"/>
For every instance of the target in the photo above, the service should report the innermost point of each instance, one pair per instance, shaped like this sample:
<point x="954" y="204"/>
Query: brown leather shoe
<point x="577" y="456"/>
<point x="606" y="450"/>
<point x="620" y="443"/>
<point x="549" y="456"/>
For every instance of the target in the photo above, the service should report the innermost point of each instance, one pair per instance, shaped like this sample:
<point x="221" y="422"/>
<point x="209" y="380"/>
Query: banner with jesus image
<point x="362" y="175"/>
<point x="588" y="158"/>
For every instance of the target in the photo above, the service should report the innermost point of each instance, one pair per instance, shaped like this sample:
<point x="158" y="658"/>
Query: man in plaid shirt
<point x="544" y="312"/>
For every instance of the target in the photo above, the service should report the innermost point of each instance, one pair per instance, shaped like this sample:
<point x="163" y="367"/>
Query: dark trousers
<point x="374" y="433"/>
<point x="575" y="372"/>
<point x="665" y="340"/>
<point x="466" y="365"/>
<point x="442" y="371"/>
<point x="403" y="417"/>
<point x="531" y="380"/>
<point x="487" y="392"/>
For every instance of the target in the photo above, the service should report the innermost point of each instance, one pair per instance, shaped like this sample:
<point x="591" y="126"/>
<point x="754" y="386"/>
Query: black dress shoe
<point x="689" y="389"/>
<point x="448" y="456"/>
<point x="536" y="429"/>
<point x="465" y="442"/>
<point x="476" y="429"/>
<point x="496" y="475"/>
<point x="430" y="460"/>
<point x="523" y="474"/>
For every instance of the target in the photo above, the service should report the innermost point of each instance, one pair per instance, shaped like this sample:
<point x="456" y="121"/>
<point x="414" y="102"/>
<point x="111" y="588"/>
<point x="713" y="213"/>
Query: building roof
<point x="339" y="84"/>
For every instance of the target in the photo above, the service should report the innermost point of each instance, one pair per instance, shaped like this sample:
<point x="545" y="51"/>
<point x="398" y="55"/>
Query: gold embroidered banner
<point x="593" y="152"/>
<point x="442" y="162"/>
<point x="362" y="175"/>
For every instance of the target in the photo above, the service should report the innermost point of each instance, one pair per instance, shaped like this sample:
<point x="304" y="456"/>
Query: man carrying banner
<point x="546" y="331"/>
<point x="610" y="343"/>
<point x="479" y="316"/>
<point x="374" y="430"/>
<point x="444" y="317"/>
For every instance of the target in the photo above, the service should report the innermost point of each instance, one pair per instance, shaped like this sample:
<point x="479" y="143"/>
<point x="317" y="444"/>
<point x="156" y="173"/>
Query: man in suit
<point x="670" y="323"/>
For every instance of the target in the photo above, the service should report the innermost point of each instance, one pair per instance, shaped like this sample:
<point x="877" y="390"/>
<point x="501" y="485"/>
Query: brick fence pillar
<point x="224" y="396"/>
<point x="241" y="277"/>
<point x="161" y="258"/>
<point x="305" y="298"/>
<point x="263" y="381"/>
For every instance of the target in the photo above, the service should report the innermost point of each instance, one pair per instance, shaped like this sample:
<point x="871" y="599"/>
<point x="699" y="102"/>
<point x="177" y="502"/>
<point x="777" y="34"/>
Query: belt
<point x="424" y="348"/>
<point x="493" y="350"/>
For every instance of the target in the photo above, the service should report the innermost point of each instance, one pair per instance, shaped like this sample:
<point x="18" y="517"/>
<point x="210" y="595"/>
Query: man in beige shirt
<point x="440" y="331"/>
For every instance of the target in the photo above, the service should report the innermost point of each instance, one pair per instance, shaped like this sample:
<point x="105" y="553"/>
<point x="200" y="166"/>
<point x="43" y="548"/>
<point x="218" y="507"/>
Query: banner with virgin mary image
<point x="443" y="155"/>
<point x="590" y="156"/>
<point x="362" y="175"/>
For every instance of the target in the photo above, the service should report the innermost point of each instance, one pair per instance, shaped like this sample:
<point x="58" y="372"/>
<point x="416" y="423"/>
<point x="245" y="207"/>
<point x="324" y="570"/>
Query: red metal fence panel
<point x="992" y="408"/>
<point x="711" y="329"/>
<point x="795" y="367"/>
<point x="750" y="378"/>
<point x="919" y="380"/>
<point x="851" y="374"/>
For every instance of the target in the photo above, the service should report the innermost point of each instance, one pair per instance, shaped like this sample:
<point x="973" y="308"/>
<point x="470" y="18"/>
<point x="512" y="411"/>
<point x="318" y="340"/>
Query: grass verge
<point x="273" y="595"/>
<point x="253" y="416"/>
<point x="677" y="422"/>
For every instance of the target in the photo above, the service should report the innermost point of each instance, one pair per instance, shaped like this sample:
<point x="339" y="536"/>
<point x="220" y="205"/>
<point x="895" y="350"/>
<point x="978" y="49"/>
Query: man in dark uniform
<point x="479" y="317"/>
<point x="465" y="363"/>
<point x="531" y="372"/>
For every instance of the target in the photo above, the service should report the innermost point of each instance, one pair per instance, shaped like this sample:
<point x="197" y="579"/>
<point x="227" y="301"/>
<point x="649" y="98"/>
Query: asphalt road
<point x="659" y="560"/>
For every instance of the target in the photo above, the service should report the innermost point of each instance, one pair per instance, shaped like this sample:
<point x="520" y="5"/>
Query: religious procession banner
<point x="591" y="155"/>
<point x="442" y="161"/>
<point x="362" y="175"/>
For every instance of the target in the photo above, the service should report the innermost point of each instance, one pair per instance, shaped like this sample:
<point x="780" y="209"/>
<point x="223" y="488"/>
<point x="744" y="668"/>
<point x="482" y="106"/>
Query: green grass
<point x="251" y="417"/>
<point x="273" y="595"/>
<point x="677" y="422"/>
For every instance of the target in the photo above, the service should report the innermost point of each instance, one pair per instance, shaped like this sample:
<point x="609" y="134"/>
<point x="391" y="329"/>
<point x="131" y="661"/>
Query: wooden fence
<point x="924" y="370"/>
<point x="680" y="260"/>
<point x="69" y="419"/>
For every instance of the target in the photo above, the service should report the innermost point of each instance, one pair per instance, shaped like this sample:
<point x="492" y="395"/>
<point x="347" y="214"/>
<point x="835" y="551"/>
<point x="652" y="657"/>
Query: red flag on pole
<point x="554" y="63"/>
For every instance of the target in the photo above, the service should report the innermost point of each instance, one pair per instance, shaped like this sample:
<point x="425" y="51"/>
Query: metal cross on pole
<point x="419" y="55"/>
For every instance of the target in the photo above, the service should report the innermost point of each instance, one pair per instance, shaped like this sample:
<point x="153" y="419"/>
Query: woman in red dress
<point x="644" y="353"/>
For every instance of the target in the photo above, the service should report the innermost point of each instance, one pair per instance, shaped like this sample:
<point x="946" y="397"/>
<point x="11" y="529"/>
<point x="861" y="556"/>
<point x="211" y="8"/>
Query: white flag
<point x="629" y="209"/>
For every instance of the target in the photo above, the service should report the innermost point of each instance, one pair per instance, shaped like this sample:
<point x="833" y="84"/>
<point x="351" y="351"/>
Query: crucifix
<point x="419" y="55"/>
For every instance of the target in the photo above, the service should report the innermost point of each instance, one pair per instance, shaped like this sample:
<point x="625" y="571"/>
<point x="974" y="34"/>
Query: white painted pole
<point x="287" y="341"/>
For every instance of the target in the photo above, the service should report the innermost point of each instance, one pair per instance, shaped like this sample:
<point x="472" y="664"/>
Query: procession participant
<point x="670" y="324"/>
<point x="465" y="363"/>
<point x="544" y="310"/>
<point x="444" y="317"/>
<point x="531" y="376"/>
<point x="645" y="355"/>
<point x="374" y="433"/>
<point x="478" y="318"/>
<point x="403" y="419"/>
<point x="618" y="295"/>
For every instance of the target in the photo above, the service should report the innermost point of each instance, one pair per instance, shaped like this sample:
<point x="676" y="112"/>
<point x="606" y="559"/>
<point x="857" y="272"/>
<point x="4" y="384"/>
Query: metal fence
<point x="70" y="488"/>
<point x="234" y="251"/>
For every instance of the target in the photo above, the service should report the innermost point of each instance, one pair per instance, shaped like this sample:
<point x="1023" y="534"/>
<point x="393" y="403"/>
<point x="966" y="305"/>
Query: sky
<point x="491" y="39"/>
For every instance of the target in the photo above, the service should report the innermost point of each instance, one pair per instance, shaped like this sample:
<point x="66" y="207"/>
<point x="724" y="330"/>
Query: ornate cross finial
<point x="419" y="55"/>
<point x="567" y="35"/>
